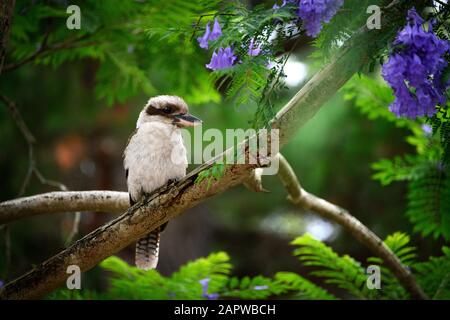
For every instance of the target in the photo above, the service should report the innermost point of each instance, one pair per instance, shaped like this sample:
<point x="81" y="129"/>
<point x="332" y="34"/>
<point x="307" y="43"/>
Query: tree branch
<point x="45" y="49"/>
<point x="171" y="201"/>
<point x="137" y="221"/>
<point x="63" y="201"/>
<point x="308" y="201"/>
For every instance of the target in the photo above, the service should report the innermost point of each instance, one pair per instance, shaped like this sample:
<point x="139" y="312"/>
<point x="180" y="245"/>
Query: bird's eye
<point x="167" y="110"/>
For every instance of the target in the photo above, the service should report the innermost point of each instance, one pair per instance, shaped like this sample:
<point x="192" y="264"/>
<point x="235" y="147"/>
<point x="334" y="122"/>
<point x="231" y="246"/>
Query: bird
<point x="154" y="156"/>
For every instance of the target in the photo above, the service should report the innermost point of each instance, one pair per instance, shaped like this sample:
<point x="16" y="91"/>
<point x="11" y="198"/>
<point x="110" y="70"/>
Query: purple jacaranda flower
<point x="415" y="69"/>
<point x="210" y="35"/>
<point x="315" y="12"/>
<point x="254" y="49"/>
<point x="260" y="287"/>
<point x="216" y="31"/>
<point x="205" y="294"/>
<point x="1" y="283"/>
<point x="427" y="129"/>
<point x="212" y="296"/>
<point x="221" y="59"/>
<point x="203" y="41"/>
<point x="204" y="283"/>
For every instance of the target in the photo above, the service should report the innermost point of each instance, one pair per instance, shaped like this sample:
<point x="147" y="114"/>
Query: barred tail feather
<point x="147" y="251"/>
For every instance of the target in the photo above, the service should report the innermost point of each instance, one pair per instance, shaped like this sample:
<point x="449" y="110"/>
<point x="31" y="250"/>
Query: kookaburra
<point x="155" y="155"/>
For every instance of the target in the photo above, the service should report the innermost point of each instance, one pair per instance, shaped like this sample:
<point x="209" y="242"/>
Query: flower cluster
<point x="223" y="57"/>
<point x="415" y="70"/>
<point x="313" y="12"/>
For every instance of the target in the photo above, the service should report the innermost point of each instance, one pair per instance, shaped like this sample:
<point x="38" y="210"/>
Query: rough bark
<point x="64" y="201"/>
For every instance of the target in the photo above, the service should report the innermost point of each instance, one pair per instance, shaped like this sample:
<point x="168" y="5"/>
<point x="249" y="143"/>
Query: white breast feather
<point x="149" y="158"/>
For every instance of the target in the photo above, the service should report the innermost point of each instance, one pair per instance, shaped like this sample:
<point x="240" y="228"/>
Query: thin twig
<point x="45" y="48"/>
<point x="75" y="228"/>
<point x="17" y="117"/>
<point x="41" y="49"/>
<point x="77" y="216"/>
<point x="32" y="167"/>
<point x="305" y="200"/>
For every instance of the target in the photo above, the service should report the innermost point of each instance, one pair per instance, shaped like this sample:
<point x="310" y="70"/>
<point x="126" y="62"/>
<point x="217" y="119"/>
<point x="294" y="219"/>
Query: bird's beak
<point x="186" y="120"/>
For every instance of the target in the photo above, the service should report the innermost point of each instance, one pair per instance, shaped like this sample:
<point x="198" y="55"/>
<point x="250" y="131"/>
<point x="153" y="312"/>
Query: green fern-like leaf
<point x="404" y="168"/>
<point x="342" y="271"/>
<point x="211" y="174"/>
<point x="119" y="78"/>
<point x="185" y="283"/>
<point x="372" y="98"/>
<point x="128" y="282"/>
<point x="434" y="275"/>
<point x="429" y="203"/>
<point x="258" y="287"/>
<point x="303" y="288"/>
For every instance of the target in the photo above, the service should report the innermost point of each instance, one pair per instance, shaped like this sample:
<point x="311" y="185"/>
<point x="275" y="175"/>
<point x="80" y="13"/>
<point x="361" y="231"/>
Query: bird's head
<point x="167" y="109"/>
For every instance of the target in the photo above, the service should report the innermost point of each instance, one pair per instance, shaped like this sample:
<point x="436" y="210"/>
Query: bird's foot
<point x="172" y="181"/>
<point x="172" y="192"/>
